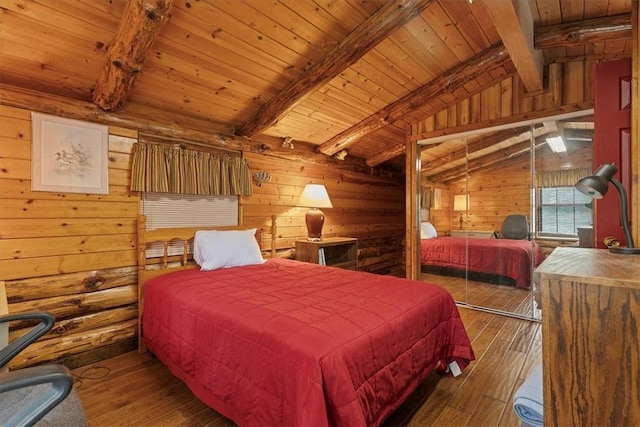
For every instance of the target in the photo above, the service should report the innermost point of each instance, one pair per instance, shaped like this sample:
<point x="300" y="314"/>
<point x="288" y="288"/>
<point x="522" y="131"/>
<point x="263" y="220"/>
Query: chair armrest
<point x="60" y="384"/>
<point x="16" y="346"/>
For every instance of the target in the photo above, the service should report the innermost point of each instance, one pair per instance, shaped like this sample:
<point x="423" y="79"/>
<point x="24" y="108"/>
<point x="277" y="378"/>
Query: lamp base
<point x="624" y="250"/>
<point x="315" y="220"/>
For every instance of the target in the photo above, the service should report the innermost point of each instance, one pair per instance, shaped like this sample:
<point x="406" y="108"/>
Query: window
<point x="561" y="211"/>
<point x="186" y="210"/>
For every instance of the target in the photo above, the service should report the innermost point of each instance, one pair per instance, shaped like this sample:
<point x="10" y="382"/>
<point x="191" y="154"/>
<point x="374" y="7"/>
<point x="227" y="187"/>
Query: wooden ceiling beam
<point x="151" y="121"/>
<point x="506" y="154"/>
<point x="576" y="33"/>
<point x="165" y="125"/>
<point x="514" y="23"/>
<point x="520" y="146"/>
<point x="136" y="33"/>
<point x="448" y="81"/>
<point x="368" y="35"/>
<point x="472" y="147"/>
<point x="571" y="34"/>
<point x="387" y="155"/>
<point x="396" y="150"/>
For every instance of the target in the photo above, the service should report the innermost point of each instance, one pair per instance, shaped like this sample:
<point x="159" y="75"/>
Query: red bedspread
<point x="504" y="257"/>
<point x="290" y="343"/>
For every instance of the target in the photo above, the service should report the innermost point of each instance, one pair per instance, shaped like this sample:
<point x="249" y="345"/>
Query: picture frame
<point x="68" y="155"/>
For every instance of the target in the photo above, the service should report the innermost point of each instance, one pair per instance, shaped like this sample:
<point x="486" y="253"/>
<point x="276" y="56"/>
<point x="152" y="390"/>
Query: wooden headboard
<point x="149" y="268"/>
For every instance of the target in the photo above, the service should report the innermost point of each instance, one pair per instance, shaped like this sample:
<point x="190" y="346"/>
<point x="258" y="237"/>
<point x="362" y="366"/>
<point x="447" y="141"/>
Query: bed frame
<point x="149" y="268"/>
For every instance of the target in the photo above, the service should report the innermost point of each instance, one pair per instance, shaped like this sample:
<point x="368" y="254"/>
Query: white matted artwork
<point x="69" y="155"/>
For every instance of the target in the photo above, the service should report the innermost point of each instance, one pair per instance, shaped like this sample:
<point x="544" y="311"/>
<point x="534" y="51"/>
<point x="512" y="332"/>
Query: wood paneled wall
<point x="569" y="88"/>
<point x="368" y="207"/>
<point x="73" y="254"/>
<point x="505" y="188"/>
<point x="494" y="193"/>
<point x="66" y="253"/>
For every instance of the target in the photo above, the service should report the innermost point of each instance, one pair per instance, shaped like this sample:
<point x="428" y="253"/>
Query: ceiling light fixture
<point x="556" y="144"/>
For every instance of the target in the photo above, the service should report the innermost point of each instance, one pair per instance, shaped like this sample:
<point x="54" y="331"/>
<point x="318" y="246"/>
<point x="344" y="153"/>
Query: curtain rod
<point x="186" y="141"/>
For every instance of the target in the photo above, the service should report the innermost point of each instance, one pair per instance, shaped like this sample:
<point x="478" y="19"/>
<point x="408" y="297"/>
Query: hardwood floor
<point x="482" y="294"/>
<point x="137" y="390"/>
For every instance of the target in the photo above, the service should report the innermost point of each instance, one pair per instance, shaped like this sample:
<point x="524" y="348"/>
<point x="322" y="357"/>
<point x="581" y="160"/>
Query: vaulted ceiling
<point x="336" y="74"/>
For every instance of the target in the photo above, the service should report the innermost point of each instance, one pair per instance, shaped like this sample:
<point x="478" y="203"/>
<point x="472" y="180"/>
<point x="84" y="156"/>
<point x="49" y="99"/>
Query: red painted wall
<point x="612" y="142"/>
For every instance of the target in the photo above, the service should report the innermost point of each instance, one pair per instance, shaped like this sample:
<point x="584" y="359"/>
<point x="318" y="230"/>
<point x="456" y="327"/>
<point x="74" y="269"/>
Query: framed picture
<point x="69" y="156"/>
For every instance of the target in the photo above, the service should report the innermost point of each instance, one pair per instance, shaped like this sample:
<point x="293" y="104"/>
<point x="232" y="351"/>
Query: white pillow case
<point x="427" y="231"/>
<point x="222" y="249"/>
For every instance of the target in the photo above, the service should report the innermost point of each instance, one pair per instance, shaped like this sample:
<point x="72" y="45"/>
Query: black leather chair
<point x="514" y="227"/>
<point x="38" y="395"/>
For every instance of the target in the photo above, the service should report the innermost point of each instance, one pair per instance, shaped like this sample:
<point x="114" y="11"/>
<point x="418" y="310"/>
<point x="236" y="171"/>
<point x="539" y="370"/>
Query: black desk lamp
<point x="596" y="187"/>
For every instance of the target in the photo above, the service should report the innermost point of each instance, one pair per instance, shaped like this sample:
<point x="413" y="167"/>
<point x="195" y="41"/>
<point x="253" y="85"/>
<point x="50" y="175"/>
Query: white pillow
<point x="427" y="230"/>
<point x="223" y="249"/>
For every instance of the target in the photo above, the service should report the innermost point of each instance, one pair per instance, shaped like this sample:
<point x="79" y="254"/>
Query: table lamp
<point x="314" y="196"/>
<point x="460" y="204"/>
<point x="596" y="186"/>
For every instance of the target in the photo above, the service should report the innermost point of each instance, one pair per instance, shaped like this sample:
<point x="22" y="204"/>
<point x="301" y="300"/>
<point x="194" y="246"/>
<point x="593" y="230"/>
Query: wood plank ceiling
<point x="337" y="74"/>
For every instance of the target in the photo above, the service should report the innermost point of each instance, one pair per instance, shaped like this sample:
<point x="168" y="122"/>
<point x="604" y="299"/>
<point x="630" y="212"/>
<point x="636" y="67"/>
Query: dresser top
<point x="592" y="265"/>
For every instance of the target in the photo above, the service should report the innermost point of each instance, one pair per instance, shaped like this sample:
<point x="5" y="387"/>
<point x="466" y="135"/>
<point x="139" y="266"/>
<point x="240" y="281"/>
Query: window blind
<point x="185" y="210"/>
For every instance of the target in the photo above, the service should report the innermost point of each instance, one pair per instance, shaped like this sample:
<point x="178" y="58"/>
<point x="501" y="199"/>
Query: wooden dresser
<point x="590" y="337"/>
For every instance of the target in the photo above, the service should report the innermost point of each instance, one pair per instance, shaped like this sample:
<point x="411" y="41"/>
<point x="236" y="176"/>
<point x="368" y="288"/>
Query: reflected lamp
<point x="596" y="186"/>
<point x="314" y="196"/>
<point x="460" y="204"/>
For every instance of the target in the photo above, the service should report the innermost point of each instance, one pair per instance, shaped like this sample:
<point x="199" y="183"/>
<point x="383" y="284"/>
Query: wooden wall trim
<point x="412" y="194"/>
<point x="635" y="122"/>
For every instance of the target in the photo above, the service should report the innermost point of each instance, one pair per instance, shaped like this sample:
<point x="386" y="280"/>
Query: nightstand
<point x="334" y="251"/>
<point x="472" y="234"/>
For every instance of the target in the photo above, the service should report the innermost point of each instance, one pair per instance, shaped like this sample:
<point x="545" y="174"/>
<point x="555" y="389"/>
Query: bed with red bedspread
<point x="514" y="259"/>
<point x="292" y="343"/>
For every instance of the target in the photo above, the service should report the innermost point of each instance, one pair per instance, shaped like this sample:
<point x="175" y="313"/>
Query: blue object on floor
<point x="527" y="402"/>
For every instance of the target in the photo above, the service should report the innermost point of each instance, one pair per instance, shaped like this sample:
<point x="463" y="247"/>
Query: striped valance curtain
<point x="430" y="197"/>
<point x="425" y="197"/>
<point x="561" y="178"/>
<point x="166" y="169"/>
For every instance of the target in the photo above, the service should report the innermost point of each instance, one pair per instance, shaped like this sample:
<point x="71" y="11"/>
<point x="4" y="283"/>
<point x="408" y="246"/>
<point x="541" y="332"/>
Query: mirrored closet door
<point x="499" y="201"/>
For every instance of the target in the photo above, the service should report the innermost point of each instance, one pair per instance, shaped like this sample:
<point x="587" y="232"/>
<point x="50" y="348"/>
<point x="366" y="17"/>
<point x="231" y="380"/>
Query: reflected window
<point x="561" y="211"/>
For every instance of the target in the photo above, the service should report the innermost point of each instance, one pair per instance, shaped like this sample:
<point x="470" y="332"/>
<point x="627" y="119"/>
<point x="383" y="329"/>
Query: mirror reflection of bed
<point x="471" y="183"/>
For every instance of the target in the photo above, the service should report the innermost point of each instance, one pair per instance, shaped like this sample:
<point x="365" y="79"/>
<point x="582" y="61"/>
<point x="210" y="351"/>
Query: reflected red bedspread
<point x="504" y="257"/>
<point x="292" y="343"/>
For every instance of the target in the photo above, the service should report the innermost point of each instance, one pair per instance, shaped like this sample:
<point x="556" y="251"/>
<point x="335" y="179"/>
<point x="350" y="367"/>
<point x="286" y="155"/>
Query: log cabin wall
<point x="503" y="188"/>
<point x="569" y="88"/>
<point x="73" y="254"/>
<point x="69" y="254"/>
<point x="365" y="206"/>
<point x="494" y="193"/>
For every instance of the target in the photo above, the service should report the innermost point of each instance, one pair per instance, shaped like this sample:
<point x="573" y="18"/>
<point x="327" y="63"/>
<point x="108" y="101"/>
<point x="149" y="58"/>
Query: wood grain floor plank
<point x="487" y="414"/>
<point x="501" y="387"/>
<point x="137" y="390"/>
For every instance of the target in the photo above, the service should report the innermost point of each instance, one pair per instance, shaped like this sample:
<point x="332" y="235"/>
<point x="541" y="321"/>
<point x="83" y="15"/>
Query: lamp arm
<point x="623" y="212"/>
